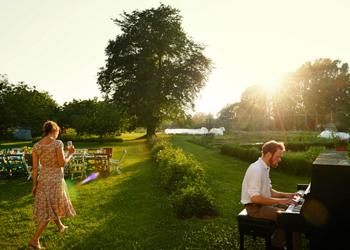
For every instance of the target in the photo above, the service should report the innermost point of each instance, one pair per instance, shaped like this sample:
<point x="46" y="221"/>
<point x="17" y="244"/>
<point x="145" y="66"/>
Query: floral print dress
<point x="52" y="199"/>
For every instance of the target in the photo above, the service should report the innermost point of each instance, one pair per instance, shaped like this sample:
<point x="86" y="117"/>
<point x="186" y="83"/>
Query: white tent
<point x="202" y="131"/>
<point x="217" y="131"/>
<point x="184" y="131"/>
<point x="328" y="135"/>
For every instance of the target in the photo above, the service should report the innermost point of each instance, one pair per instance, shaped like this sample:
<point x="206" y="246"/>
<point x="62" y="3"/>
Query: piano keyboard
<point x="296" y="207"/>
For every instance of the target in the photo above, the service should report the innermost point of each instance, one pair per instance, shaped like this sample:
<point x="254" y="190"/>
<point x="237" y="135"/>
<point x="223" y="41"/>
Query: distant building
<point x="22" y="134"/>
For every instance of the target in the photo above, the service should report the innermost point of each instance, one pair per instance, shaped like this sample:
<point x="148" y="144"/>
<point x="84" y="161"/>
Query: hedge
<point x="184" y="177"/>
<point x="292" y="162"/>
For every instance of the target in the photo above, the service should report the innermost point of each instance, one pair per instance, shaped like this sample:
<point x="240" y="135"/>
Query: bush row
<point x="292" y="162"/>
<point x="298" y="146"/>
<point x="184" y="177"/>
<point x="78" y="139"/>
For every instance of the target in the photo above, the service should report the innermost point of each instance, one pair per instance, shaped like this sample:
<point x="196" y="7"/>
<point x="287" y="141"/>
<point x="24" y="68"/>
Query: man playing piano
<point x="260" y="200"/>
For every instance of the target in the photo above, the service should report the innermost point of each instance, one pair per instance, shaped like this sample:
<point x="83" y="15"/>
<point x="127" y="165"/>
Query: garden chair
<point x="102" y="163"/>
<point x="108" y="151"/>
<point x="77" y="165"/>
<point x="29" y="165"/>
<point x="4" y="171"/>
<point x="91" y="158"/>
<point x="16" y="164"/>
<point x="116" y="163"/>
<point x="66" y="167"/>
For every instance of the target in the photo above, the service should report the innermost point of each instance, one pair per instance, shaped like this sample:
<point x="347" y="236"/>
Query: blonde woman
<point x="52" y="200"/>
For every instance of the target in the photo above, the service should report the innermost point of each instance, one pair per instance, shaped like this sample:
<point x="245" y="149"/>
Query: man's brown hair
<point x="272" y="147"/>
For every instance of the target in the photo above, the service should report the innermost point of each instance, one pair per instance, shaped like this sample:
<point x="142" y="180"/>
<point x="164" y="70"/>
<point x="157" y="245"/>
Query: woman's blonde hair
<point x="50" y="126"/>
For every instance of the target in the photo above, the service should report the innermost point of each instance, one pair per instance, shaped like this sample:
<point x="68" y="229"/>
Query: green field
<point x="132" y="210"/>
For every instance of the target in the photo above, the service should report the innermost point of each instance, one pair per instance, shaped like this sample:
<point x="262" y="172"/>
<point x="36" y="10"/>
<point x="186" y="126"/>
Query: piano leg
<point x="241" y="241"/>
<point x="289" y="239"/>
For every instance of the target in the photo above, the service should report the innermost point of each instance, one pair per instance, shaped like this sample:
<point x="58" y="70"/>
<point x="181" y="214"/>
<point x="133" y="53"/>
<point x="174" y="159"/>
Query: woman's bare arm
<point x="63" y="160"/>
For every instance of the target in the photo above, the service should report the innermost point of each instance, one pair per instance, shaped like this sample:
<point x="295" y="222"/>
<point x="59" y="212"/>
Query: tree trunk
<point x="151" y="131"/>
<point x="101" y="139"/>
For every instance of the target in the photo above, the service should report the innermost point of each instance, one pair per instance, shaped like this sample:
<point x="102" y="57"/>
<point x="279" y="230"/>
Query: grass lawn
<point x="132" y="210"/>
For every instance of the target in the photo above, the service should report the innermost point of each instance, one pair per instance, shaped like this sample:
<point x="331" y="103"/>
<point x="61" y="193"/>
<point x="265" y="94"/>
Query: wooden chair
<point x="108" y="151"/>
<point x="29" y="165"/>
<point x="115" y="163"/>
<point x="77" y="165"/>
<point x="102" y="163"/>
<point x="91" y="160"/>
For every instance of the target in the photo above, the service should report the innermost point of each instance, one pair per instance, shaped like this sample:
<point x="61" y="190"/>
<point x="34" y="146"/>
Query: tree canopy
<point x="93" y="117"/>
<point x="24" y="106"/>
<point x="320" y="87"/>
<point x="153" y="70"/>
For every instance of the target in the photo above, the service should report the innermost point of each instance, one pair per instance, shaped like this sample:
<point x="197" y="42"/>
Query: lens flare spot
<point x="73" y="192"/>
<point x="141" y="149"/>
<point x="91" y="177"/>
<point x="316" y="213"/>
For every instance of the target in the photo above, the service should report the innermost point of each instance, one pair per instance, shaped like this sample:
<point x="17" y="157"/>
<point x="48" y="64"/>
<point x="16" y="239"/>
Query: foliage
<point x="26" y="149"/>
<point x="296" y="163"/>
<point x="24" y="106"/>
<point x="93" y="117"/>
<point x="184" y="176"/>
<point x="154" y="71"/>
<point x="308" y="98"/>
<point x="338" y="141"/>
<point x="228" y="115"/>
<point x="193" y="199"/>
<point x="313" y="152"/>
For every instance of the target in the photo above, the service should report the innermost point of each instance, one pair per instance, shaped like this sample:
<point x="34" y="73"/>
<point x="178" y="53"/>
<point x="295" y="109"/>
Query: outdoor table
<point x="87" y="158"/>
<point x="16" y="164"/>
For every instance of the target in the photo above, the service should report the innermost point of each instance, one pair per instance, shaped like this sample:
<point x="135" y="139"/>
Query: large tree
<point x="154" y="71"/>
<point x="228" y="114"/>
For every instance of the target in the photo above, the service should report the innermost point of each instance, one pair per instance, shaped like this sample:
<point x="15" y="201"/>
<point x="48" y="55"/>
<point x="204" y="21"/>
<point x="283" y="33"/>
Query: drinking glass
<point x="69" y="144"/>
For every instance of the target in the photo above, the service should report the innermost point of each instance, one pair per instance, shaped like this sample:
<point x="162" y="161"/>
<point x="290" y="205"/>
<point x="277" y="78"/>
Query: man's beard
<point x="271" y="162"/>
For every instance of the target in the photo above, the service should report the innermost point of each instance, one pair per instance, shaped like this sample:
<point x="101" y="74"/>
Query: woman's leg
<point x="60" y="226"/>
<point x="34" y="242"/>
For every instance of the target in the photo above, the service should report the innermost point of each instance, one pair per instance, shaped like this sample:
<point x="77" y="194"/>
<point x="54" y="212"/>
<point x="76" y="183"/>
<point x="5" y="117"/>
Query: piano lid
<point x="339" y="158"/>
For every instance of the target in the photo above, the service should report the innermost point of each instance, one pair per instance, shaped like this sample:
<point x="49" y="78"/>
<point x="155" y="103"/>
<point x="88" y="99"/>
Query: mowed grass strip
<point x="132" y="210"/>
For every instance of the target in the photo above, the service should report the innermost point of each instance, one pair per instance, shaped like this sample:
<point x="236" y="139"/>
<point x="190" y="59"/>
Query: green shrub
<point x="159" y="146"/>
<point x="174" y="165"/>
<point x="292" y="162"/>
<point x="193" y="200"/>
<point x="184" y="176"/>
<point x="296" y="163"/>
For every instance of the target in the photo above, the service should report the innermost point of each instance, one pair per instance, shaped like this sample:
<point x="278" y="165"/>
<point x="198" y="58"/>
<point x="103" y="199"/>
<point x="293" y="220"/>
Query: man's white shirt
<point x="256" y="181"/>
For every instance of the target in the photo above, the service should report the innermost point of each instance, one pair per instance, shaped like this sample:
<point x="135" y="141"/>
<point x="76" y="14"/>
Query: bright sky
<point x="58" y="46"/>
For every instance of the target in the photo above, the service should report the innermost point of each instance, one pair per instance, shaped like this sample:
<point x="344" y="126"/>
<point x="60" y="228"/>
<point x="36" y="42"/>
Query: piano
<point x="322" y="214"/>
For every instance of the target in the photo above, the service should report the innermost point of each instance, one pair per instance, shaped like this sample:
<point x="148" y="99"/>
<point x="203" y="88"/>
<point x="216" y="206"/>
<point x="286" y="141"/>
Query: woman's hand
<point x="34" y="190"/>
<point x="71" y="150"/>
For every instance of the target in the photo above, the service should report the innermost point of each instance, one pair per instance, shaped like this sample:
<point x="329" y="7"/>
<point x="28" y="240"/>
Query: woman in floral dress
<point x="52" y="200"/>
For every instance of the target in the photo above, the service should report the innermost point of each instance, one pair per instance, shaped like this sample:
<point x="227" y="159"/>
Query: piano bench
<point x="255" y="227"/>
